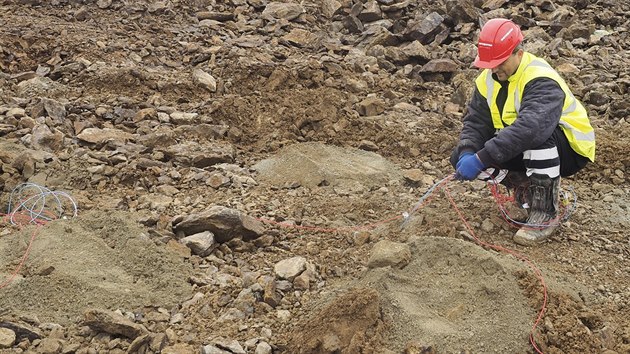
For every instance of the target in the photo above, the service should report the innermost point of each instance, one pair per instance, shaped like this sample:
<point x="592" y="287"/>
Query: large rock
<point x="7" y="338"/>
<point x="50" y="108"/>
<point x="100" y="136"/>
<point x="330" y="7"/>
<point x="201" y="244"/>
<point x="279" y="10"/>
<point x="290" y="268"/>
<point x="440" y="66"/>
<point x="204" y="79"/>
<point x="200" y="155"/>
<point x="43" y="137"/>
<point x="316" y="164"/>
<point x="426" y="29"/>
<point x="224" y="223"/>
<point x="113" y="323"/>
<point x="389" y="254"/>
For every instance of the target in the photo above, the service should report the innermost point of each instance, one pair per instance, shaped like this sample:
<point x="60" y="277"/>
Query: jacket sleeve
<point x="538" y="117"/>
<point x="477" y="127"/>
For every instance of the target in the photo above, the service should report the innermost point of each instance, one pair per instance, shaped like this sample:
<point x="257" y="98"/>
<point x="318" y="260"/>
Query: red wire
<point x="329" y="230"/>
<point x="24" y="257"/>
<point x="499" y="198"/>
<point x="502" y="199"/>
<point x="442" y="185"/>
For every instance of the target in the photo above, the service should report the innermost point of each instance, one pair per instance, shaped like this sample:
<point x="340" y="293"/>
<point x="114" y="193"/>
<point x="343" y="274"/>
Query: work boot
<point x="541" y="222"/>
<point x="518" y="184"/>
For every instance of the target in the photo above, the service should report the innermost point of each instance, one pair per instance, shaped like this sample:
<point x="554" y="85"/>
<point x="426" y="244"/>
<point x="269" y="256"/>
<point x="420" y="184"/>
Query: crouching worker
<point x="524" y="128"/>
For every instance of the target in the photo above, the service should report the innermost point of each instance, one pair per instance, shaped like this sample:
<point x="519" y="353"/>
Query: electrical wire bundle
<point x="31" y="203"/>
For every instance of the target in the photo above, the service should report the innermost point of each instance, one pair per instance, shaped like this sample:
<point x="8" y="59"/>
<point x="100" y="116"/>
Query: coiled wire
<point x="30" y="203"/>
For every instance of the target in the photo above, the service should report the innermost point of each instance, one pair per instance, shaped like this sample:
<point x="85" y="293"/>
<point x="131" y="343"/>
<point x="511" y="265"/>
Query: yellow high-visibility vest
<point x="574" y="120"/>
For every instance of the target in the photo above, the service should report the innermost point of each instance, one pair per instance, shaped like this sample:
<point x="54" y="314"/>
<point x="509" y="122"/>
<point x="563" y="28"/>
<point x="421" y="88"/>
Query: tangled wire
<point x="31" y="203"/>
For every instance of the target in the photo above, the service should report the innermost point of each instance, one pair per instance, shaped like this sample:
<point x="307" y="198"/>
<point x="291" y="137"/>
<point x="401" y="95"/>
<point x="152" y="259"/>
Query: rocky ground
<point x="241" y="170"/>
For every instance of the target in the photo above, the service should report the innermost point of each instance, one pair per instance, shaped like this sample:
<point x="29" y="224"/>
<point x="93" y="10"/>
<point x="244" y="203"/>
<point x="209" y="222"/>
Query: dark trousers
<point x="570" y="161"/>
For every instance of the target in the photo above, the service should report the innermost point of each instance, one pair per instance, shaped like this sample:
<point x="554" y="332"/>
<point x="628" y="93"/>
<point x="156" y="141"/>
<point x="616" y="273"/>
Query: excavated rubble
<point x="241" y="169"/>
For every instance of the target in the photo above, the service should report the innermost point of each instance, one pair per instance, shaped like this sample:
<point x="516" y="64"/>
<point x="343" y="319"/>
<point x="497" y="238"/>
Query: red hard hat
<point x="497" y="40"/>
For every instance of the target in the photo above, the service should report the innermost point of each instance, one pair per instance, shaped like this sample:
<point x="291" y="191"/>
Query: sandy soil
<point x="284" y="137"/>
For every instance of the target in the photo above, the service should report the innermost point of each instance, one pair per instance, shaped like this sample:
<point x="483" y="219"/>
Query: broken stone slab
<point x="137" y="343"/>
<point x="49" y="346"/>
<point x="279" y="10"/>
<point x="371" y="106"/>
<point x="414" y="176"/>
<point x="42" y="137"/>
<point x="355" y="9"/>
<point x="440" y="66"/>
<point x="290" y="268"/>
<point x="379" y="35"/>
<point x="386" y="253"/>
<point x="155" y="201"/>
<point x="317" y="164"/>
<point x="202" y="131"/>
<point x="417" y="50"/>
<point x="145" y="114"/>
<point x="224" y="223"/>
<point x="16" y="112"/>
<point x="371" y="12"/>
<point x="245" y="301"/>
<point x="200" y="155"/>
<point x="50" y="108"/>
<point x="100" y="136"/>
<point x="396" y="55"/>
<point x="183" y="117"/>
<point x="462" y="11"/>
<point x="211" y="349"/>
<point x="205" y="80"/>
<point x="231" y="345"/>
<point x="270" y="294"/>
<point x="353" y="24"/>
<point x="368" y="145"/>
<point x="158" y="342"/>
<point x="113" y="323"/>
<point x="217" y="180"/>
<point x="27" y="75"/>
<point x="214" y="15"/>
<point x="7" y="128"/>
<point x="201" y="244"/>
<point x="330" y="7"/>
<point x="38" y="87"/>
<point x="300" y="37"/>
<point x="426" y="29"/>
<point x="157" y="7"/>
<point x="247" y="41"/>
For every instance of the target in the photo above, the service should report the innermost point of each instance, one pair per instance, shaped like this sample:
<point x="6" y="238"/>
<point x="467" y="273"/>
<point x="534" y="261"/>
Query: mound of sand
<point x="453" y="296"/>
<point x="97" y="260"/>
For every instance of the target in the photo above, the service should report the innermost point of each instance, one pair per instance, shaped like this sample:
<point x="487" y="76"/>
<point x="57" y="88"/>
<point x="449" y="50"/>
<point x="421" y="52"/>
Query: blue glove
<point x="468" y="167"/>
<point x="461" y="157"/>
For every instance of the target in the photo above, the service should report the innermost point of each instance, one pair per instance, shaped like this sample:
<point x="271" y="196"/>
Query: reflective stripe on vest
<point x="574" y="120"/>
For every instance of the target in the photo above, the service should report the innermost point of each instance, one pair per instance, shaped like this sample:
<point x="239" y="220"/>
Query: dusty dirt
<point x="321" y="127"/>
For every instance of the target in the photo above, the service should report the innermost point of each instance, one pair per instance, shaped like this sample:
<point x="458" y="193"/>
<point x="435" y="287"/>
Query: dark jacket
<point x="538" y="117"/>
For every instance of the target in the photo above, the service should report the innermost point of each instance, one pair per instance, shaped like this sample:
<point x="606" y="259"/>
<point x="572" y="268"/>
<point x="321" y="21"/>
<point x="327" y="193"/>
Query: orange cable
<point x="24" y="257"/>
